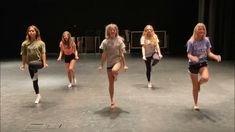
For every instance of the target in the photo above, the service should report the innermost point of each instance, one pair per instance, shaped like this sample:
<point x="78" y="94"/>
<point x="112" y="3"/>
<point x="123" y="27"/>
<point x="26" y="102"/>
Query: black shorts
<point x="110" y="68"/>
<point x="35" y="65"/>
<point x="68" y="58"/>
<point x="196" y="67"/>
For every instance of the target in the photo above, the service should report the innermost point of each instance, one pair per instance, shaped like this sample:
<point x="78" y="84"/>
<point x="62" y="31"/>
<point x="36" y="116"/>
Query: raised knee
<point x="205" y="79"/>
<point x="70" y="69"/>
<point x="114" y="71"/>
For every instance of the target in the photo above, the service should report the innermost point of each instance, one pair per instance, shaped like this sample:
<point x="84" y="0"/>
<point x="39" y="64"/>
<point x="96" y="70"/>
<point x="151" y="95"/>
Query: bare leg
<point x="204" y="75"/>
<point x="111" y="88"/>
<point x="72" y="71"/>
<point x="111" y="76"/>
<point x="194" y="78"/>
<point x="69" y="74"/>
<point x="197" y="83"/>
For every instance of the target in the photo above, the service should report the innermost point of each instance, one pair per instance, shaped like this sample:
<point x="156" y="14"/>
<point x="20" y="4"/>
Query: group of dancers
<point x="33" y="52"/>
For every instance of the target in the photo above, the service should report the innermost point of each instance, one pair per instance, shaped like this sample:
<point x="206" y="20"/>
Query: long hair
<point x="70" y="40"/>
<point x="195" y="30"/>
<point x="38" y="36"/>
<point x="107" y="34"/>
<point x="153" y="36"/>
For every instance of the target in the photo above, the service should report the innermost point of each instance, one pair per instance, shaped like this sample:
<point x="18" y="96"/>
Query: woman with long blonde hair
<point x="198" y="49"/>
<point x="68" y="48"/>
<point x="150" y="45"/>
<point x="113" y="52"/>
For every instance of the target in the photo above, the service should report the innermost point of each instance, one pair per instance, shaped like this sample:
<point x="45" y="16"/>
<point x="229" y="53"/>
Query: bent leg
<point x="115" y="70"/>
<point x="204" y="75"/>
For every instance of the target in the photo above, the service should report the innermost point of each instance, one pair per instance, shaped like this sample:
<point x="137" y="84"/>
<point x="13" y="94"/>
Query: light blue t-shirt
<point x="199" y="49"/>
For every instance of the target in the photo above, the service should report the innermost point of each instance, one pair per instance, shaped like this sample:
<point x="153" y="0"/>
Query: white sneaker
<point x="38" y="99"/>
<point x="70" y="85"/>
<point x="150" y="85"/>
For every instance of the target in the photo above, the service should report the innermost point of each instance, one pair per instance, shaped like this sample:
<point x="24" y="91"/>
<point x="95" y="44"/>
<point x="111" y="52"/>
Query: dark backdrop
<point x="52" y="17"/>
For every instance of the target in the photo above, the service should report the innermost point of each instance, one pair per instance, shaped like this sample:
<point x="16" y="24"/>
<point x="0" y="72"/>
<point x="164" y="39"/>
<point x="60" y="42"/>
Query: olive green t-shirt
<point x="33" y="50"/>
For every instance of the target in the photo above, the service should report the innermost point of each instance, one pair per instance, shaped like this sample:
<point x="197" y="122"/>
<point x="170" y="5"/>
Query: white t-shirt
<point x="149" y="49"/>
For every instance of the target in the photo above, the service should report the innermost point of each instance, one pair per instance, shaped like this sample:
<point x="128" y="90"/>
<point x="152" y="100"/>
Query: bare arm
<point x="103" y="59"/>
<point x="143" y="52"/>
<point x="76" y="55"/>
<point x="61" y="52"/>
<point x="22" y="67"/>
<point x="158" y="50"/>
<point x="76" y="52"/>
<point x="44" y="60"/>
<point x="60" y="55"/>
<point x="123" y="60"/>
<point x="213" y="56"/>
<point x="192" y="58"/>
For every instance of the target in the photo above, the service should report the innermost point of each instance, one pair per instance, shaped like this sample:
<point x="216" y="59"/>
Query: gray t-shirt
<point x="113" y="48"/>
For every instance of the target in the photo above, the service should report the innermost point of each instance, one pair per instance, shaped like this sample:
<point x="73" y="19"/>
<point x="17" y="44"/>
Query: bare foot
<point x="112" y="107"/>
<point x="196" y="107"/>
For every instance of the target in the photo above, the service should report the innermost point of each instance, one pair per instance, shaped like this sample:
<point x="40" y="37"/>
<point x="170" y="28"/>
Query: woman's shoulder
<point x="206" y="39"/>
<point x="104" y="40"/>
<point x="74" y="44"/>
<point x="142" y="37"/>
<point x="61" y="43"/>
<point x="120" y="38"/>
<point x="191" y="40"/>
<point x="25" y="42"/>
<point x="41" y="42"/>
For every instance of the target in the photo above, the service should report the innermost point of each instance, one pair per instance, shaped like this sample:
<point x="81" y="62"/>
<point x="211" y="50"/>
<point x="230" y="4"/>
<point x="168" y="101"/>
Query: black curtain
<point x="219" y="16"/>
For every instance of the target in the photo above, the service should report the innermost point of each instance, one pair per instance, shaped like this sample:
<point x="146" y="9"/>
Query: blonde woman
<point x="68" y="48"/>
<point x="113" y="52"/>
<point x="33" y="52"/>
<point x="198" y="49"/>
<point x="150" y="45"/>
